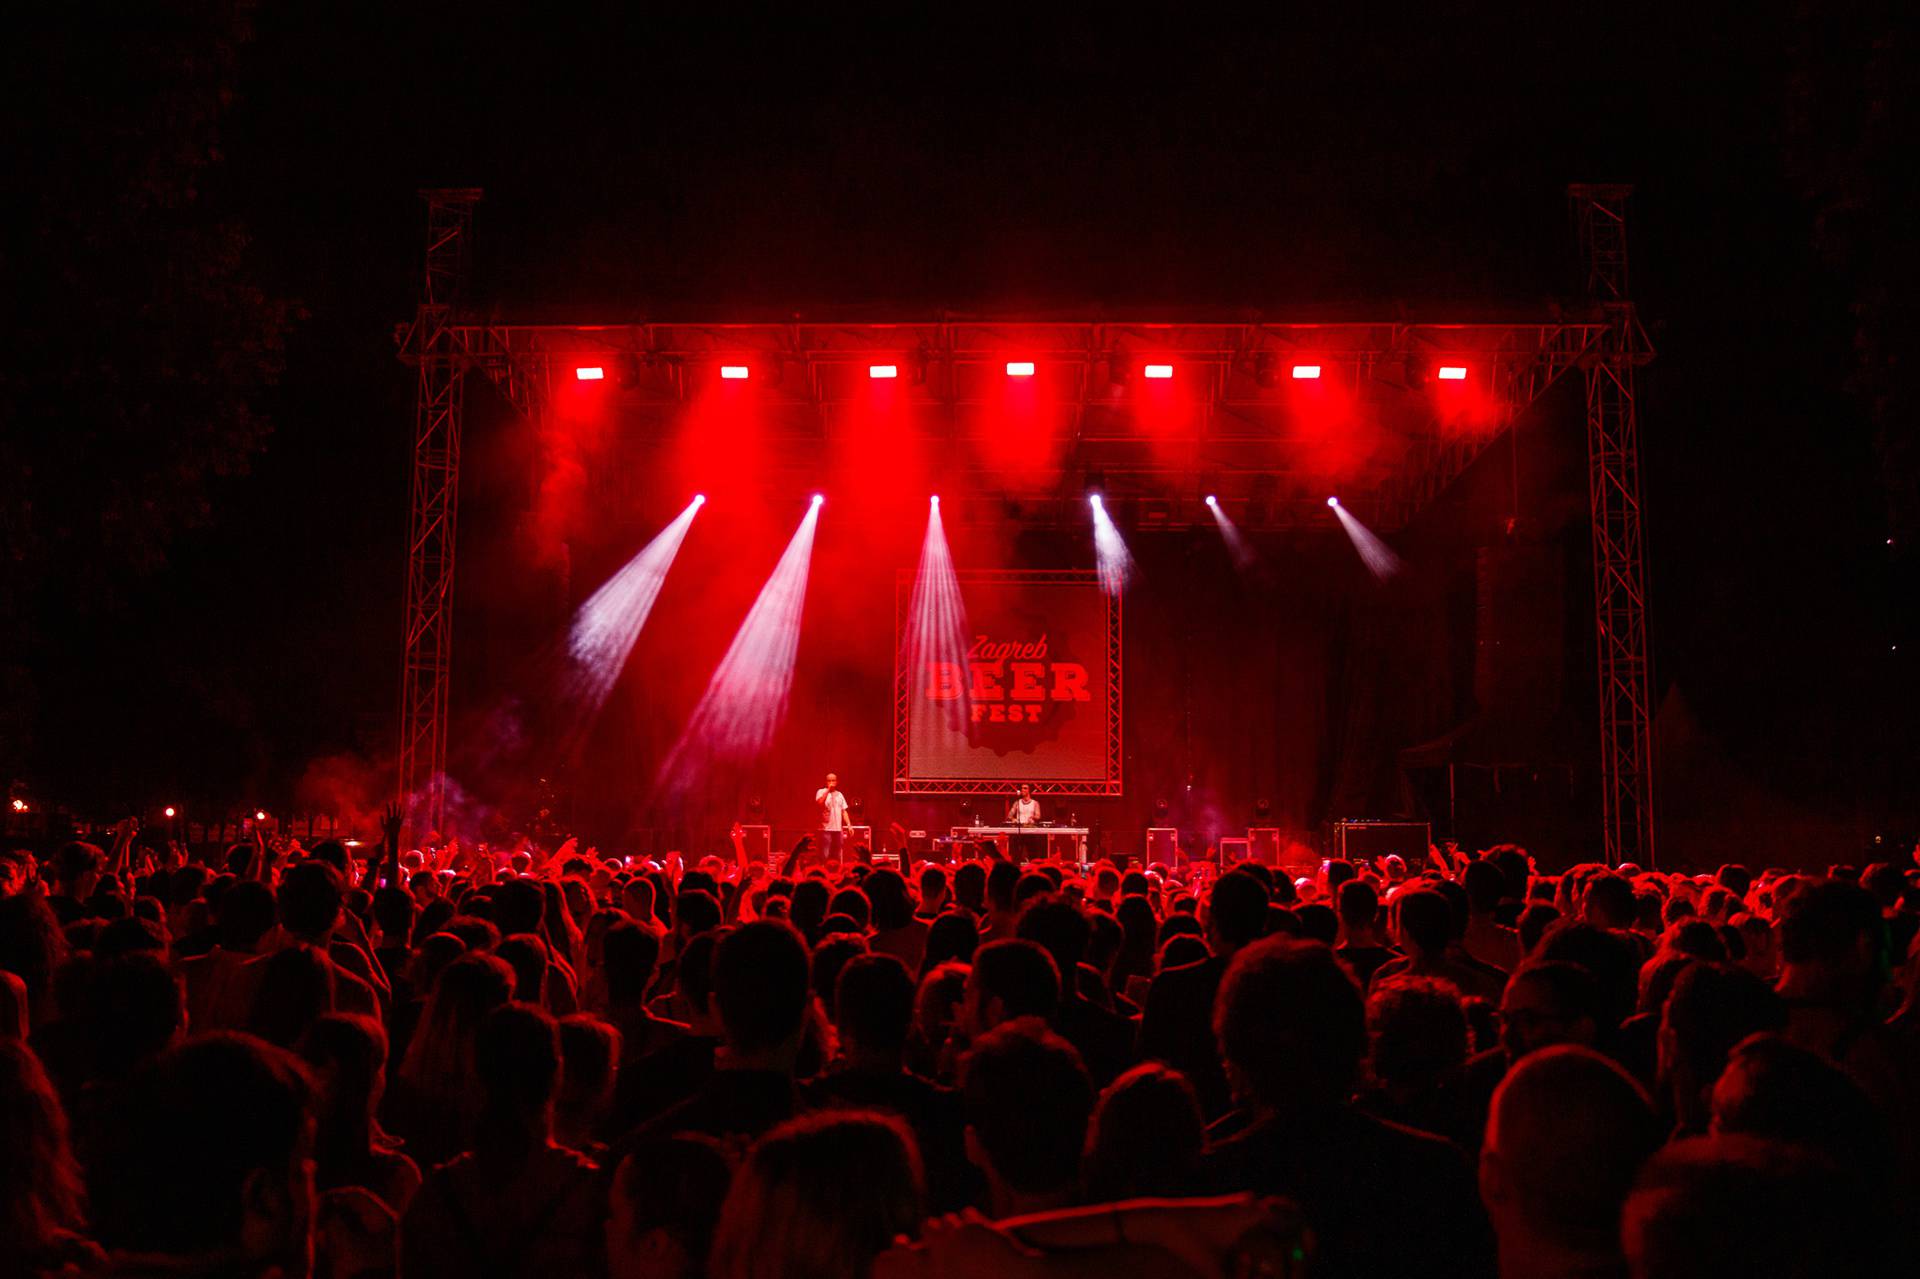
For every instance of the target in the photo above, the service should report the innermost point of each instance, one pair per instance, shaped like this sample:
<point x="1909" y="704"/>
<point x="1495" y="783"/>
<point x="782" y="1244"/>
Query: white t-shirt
<point x="833" y="808"/>
<point x="1026" y="812"/>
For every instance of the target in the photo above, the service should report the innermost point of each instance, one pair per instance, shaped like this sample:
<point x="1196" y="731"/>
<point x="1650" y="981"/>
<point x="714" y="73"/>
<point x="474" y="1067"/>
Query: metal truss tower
<point x="1619" y="554"/>
<point x="431" y="344"/>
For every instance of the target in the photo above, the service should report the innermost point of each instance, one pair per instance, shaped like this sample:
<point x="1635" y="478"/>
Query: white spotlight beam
<point x="936" y="640"/>
<point x="1374" y="553"/>
<point x="746" y="700"/>
<point x="1231" y="535"/>
<point x="607" y="624"/>
<point x="1111" y="556"/>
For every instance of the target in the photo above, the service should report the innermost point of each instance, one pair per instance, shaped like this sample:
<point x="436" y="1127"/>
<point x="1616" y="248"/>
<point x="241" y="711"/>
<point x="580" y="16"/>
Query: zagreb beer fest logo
<point x="1010" y="682"/>
<point x="1025" y="687"/>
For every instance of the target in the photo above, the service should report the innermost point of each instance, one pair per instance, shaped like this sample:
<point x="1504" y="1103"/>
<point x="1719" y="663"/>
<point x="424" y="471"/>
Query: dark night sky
<point x="634" y="166"/>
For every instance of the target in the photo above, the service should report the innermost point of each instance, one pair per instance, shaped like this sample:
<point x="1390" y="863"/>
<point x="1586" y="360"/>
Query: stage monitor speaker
<point x="759" y="841"/>
<point x="1263" y="845"/>
<point x="1360" y="840"/>
<point x="1163" y="844"/>
<point x="1233" y="851"/>
<point x="919" y="843"/>
<point x="858" y="836"/>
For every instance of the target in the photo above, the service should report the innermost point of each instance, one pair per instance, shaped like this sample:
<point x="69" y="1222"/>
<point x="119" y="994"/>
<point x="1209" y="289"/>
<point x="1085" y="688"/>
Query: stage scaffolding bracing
<point x="1619" y="549"/>
<point x="1229" y="436"/>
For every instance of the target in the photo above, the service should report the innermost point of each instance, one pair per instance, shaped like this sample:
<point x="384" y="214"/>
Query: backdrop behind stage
<point x="1029" y="691"/>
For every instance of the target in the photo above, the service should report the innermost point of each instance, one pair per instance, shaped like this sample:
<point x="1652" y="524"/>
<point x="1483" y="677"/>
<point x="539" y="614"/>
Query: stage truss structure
<point x="435" y="504"/>
<point x="905" y="783"/>
<point x="1619" y="547"/>
<point x="1233" y="436"/>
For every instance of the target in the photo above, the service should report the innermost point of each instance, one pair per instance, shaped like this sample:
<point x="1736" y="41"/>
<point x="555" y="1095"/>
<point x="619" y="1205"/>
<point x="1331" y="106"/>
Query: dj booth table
<point x="1068" y="843"/>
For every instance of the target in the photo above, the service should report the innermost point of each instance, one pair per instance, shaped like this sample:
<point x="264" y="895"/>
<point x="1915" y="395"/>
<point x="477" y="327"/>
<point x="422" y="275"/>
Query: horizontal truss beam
<point x="1231" y="378"/>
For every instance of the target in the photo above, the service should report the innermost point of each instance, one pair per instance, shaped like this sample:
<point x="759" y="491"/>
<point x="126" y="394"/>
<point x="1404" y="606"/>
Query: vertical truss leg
<point x="1620" y="614"/>
<point x="434" y="509"/>
<point x="1619" y="557"/>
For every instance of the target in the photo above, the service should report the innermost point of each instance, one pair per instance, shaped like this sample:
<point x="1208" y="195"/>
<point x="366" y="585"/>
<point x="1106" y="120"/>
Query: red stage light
<point x="169" y="810"/>
<point x="1159" y="371"/>
<point x="733" y="372"/>
<point x="1333" y="501"/>
<point x="590" y="373"/>
<point x="1306" y="372"/>
<point x="883" y="370"/>
<point x="1453" y="372"/>
<point x="1019" y="368"/>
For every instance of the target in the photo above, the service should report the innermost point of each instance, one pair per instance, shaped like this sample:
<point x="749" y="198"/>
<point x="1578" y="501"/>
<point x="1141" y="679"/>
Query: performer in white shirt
<point x="1024" y="812"/>
<point x="833" y="820"/>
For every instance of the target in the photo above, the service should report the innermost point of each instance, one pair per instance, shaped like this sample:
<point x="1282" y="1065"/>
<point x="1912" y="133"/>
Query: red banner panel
<point x="1027" y="690"/>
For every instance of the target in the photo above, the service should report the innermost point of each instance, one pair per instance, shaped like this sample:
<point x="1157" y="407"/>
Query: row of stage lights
<point x="1015" y="369"/>
<point x="1093" y="499"/>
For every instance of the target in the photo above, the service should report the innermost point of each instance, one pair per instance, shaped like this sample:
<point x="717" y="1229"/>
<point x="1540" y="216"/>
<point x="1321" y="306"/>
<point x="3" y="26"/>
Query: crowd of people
<point x="278" y="1060"/>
